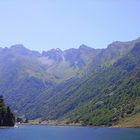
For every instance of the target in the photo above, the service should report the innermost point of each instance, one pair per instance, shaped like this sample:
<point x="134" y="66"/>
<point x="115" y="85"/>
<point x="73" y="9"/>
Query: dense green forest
<point x="6" y="116"/>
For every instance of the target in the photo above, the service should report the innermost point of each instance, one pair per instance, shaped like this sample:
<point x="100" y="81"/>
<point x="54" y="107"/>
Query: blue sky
<point x="46" y="24"/>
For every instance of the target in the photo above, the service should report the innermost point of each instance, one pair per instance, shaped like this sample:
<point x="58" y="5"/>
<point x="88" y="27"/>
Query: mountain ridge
<point x="63" y="84"/>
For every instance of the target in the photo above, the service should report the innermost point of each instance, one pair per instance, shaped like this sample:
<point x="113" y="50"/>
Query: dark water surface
<point x="68" y="133"/>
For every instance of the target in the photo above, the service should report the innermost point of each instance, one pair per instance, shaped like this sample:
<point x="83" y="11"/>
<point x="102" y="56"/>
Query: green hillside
<point x="132" y="121"/>
<point x="116" y="93"/>
<point x="84" y="85"/>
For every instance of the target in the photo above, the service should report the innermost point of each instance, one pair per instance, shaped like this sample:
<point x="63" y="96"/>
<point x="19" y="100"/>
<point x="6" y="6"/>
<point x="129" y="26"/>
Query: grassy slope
<point x="130" y="122"/>
<point x="118" y="90"/>
<point x="35" y="97"/>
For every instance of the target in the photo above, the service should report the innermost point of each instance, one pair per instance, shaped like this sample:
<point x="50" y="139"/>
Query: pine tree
<point x="7" y="118"/>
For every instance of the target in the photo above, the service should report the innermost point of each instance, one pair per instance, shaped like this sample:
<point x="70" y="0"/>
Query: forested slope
<point x="6" y="116"/>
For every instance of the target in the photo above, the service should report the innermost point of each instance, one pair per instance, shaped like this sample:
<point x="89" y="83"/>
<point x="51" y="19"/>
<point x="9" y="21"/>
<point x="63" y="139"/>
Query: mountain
<point x="6" y="116"/>
<point x="84" y="85"/>
<point x="28" y="77"/>
<point x="115" y="92"/>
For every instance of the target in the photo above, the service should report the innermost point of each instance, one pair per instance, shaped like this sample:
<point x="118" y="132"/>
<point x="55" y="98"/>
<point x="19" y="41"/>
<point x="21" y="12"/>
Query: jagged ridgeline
<point x="6" y="116"/>
<point x="83" y="85"/>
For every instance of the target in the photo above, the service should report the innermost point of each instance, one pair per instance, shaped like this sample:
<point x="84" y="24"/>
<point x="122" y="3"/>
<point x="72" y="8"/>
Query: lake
<point x="68" y="133"/>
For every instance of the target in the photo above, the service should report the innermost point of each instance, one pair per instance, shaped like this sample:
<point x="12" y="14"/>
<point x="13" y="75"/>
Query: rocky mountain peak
<point x="55" y="54"/>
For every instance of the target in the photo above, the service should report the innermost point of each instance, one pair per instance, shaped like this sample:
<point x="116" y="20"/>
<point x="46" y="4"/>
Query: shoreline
<point x="57" y="123"/>
<point x="64" y="125"/>
<point x="72" y="125"/>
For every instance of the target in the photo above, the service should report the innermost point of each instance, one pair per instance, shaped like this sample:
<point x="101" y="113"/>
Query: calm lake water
<point x="68" y="133"/>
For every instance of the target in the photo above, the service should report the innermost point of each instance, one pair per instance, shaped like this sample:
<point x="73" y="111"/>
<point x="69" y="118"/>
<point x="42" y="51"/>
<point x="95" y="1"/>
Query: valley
<point x="87" y="86"/>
